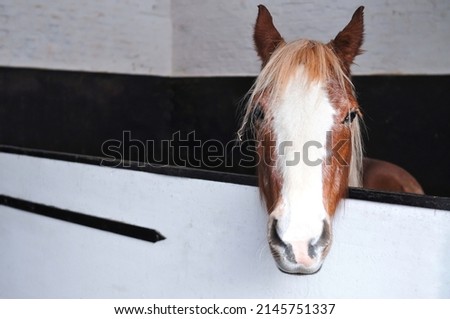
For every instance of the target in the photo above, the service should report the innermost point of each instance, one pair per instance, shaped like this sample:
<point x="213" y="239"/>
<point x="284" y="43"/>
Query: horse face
<point x="305" y="138"/>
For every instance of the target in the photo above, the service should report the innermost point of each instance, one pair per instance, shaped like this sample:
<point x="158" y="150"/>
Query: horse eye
<point x="350" y="117"/>
<point x="258" y="113"/>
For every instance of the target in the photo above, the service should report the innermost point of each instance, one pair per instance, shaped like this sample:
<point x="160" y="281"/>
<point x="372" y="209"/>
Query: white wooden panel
<point x="215" y="246"/>
<point x="133" y="36"/>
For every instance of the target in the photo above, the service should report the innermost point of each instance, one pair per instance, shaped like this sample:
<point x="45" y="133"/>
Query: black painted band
<point x="86" y="113"/>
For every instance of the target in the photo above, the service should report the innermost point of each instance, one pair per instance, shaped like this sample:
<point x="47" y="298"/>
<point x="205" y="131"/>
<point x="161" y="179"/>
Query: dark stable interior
<point x="185" y="121"/>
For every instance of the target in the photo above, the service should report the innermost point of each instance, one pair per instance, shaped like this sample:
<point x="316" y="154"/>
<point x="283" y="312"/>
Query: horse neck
<point x="355" y="178"/>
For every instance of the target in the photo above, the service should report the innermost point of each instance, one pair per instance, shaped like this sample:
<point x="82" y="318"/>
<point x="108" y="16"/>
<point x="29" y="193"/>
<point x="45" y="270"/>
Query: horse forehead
<point x="302" y="120"/>
<point x="304" y="100"/>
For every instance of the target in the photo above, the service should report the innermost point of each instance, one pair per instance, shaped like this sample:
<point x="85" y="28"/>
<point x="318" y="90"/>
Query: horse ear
<point x="266" y="36"/>
<point x="347" y="44"/>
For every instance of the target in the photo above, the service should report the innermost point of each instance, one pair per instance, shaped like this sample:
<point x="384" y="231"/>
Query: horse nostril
<point x="273" y="234"/>
<point x="318" y="244"/>
<point x="312" y="253"/>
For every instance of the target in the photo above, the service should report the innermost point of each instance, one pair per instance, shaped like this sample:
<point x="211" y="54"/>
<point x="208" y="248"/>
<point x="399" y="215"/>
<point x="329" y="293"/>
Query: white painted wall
<point x="402" y="36"/>
<point x="133" y="36"/>
<point x="215" y="246"/>
<point x="207" y="37"/>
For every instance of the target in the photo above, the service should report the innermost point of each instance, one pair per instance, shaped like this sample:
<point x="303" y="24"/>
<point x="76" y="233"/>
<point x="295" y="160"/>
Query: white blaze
<point x="302" y="118"/>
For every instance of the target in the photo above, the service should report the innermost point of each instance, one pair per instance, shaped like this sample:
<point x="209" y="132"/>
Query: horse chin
<point x="287" y="266"/>
<point x="300" y="271"/>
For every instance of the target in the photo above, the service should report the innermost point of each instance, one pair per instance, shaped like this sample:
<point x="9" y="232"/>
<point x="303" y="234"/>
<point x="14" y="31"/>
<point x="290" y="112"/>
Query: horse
<point x="306" y="120"/>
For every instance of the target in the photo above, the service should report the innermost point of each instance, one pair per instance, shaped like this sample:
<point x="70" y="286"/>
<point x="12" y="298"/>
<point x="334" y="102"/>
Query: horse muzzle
<point x="302" y="256"/>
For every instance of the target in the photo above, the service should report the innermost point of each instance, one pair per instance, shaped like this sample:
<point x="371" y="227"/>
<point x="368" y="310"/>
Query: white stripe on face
<point x="302" y="118"/>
